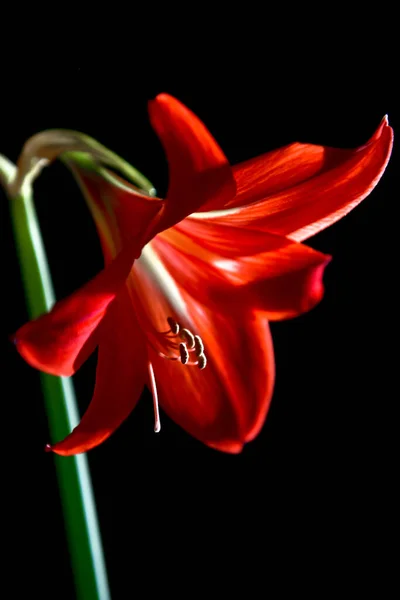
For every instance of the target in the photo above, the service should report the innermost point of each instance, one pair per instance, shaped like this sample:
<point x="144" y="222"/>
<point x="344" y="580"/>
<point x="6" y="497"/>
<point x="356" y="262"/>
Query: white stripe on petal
<point x="150" y="260"/>
<point x="214" y="214"/>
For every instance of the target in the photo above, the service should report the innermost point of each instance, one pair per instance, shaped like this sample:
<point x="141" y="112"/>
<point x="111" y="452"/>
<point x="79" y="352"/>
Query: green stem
<point x="78" y="502"/>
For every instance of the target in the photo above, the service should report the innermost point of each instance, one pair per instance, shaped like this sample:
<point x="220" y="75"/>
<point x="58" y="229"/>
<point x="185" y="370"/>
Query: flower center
<point x="182" y="351"/>
<point x="154" y="295"/>
<point x="176" y="343"/>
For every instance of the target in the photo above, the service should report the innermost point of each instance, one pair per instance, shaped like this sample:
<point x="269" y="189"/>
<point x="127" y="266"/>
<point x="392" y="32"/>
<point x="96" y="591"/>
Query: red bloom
<point x="192" y="281"/>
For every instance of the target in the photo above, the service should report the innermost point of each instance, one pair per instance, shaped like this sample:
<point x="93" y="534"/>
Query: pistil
<point x="153" y="386"/>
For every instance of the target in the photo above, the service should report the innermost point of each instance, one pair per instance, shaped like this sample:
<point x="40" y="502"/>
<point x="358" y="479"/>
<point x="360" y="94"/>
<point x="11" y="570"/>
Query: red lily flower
<point x="191" y="282"/>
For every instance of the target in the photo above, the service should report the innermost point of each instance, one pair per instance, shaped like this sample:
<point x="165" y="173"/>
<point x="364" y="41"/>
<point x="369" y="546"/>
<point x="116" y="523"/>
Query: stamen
<point x="183" y="351"/>
<point x="188" y="337"/>
<point x="166" y="345"/>
<point x="175" y="327"/>
<point x="198" y="345"/>
<point x="157" y="422"/>
<point x="202" y="361"/>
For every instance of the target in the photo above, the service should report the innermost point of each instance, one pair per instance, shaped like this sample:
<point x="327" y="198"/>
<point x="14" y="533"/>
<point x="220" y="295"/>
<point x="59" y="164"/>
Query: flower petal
<point x="301" y="189"/>
<point x="61" y="340"/>
<point x="225" y="404"/>
<point x="200" y="177"/>
<point x="283" y="278"/>
<point x="120" y="210"/>
<point x="120" y="378"/>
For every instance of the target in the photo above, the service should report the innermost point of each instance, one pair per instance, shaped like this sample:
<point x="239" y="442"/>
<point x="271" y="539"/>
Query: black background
<point x="316" y="485"/>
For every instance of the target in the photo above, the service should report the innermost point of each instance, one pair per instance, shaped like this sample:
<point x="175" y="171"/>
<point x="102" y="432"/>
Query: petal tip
<point x="228" y="446"/>
<point x="382" y="127"/>
<point x="48" y="448"/>
<point x="162" y="98"/>
<point x="327" y="260"/>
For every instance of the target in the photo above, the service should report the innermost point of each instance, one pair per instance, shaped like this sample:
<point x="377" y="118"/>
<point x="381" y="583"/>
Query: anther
<point x="190" y="343"/>
<point x="183" y="351"/>
<point x="188" y="337"/>
<point x="202" y="361"/>
<point x="198" y="345"/>
<point x="175" y="327"/>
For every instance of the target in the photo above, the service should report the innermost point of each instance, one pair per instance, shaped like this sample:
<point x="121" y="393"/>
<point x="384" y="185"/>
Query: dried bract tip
<point x="188" y="336"/>
<point x="202" y="361"/>
<point x="183" y="351"/>
<point x="198" y="344"/>
<point x="174" y="326"/>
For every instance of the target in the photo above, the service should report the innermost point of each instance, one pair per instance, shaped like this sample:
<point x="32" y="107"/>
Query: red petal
<point x="121" y="374"/>
<point x="59" y="341"/>
<point x="284" y="278"/>
<point x="199" y="174"/>
<point x="301" y="189"/>
<point x="121" y="212"/>
<point x="225" y="404"/>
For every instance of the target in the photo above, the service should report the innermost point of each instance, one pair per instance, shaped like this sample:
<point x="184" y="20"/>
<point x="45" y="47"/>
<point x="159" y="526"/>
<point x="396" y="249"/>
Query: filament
<point x="153" y="386"/>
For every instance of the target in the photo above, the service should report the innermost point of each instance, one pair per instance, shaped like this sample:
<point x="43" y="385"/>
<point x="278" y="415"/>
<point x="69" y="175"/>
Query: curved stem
<point x="82" y="529"/>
